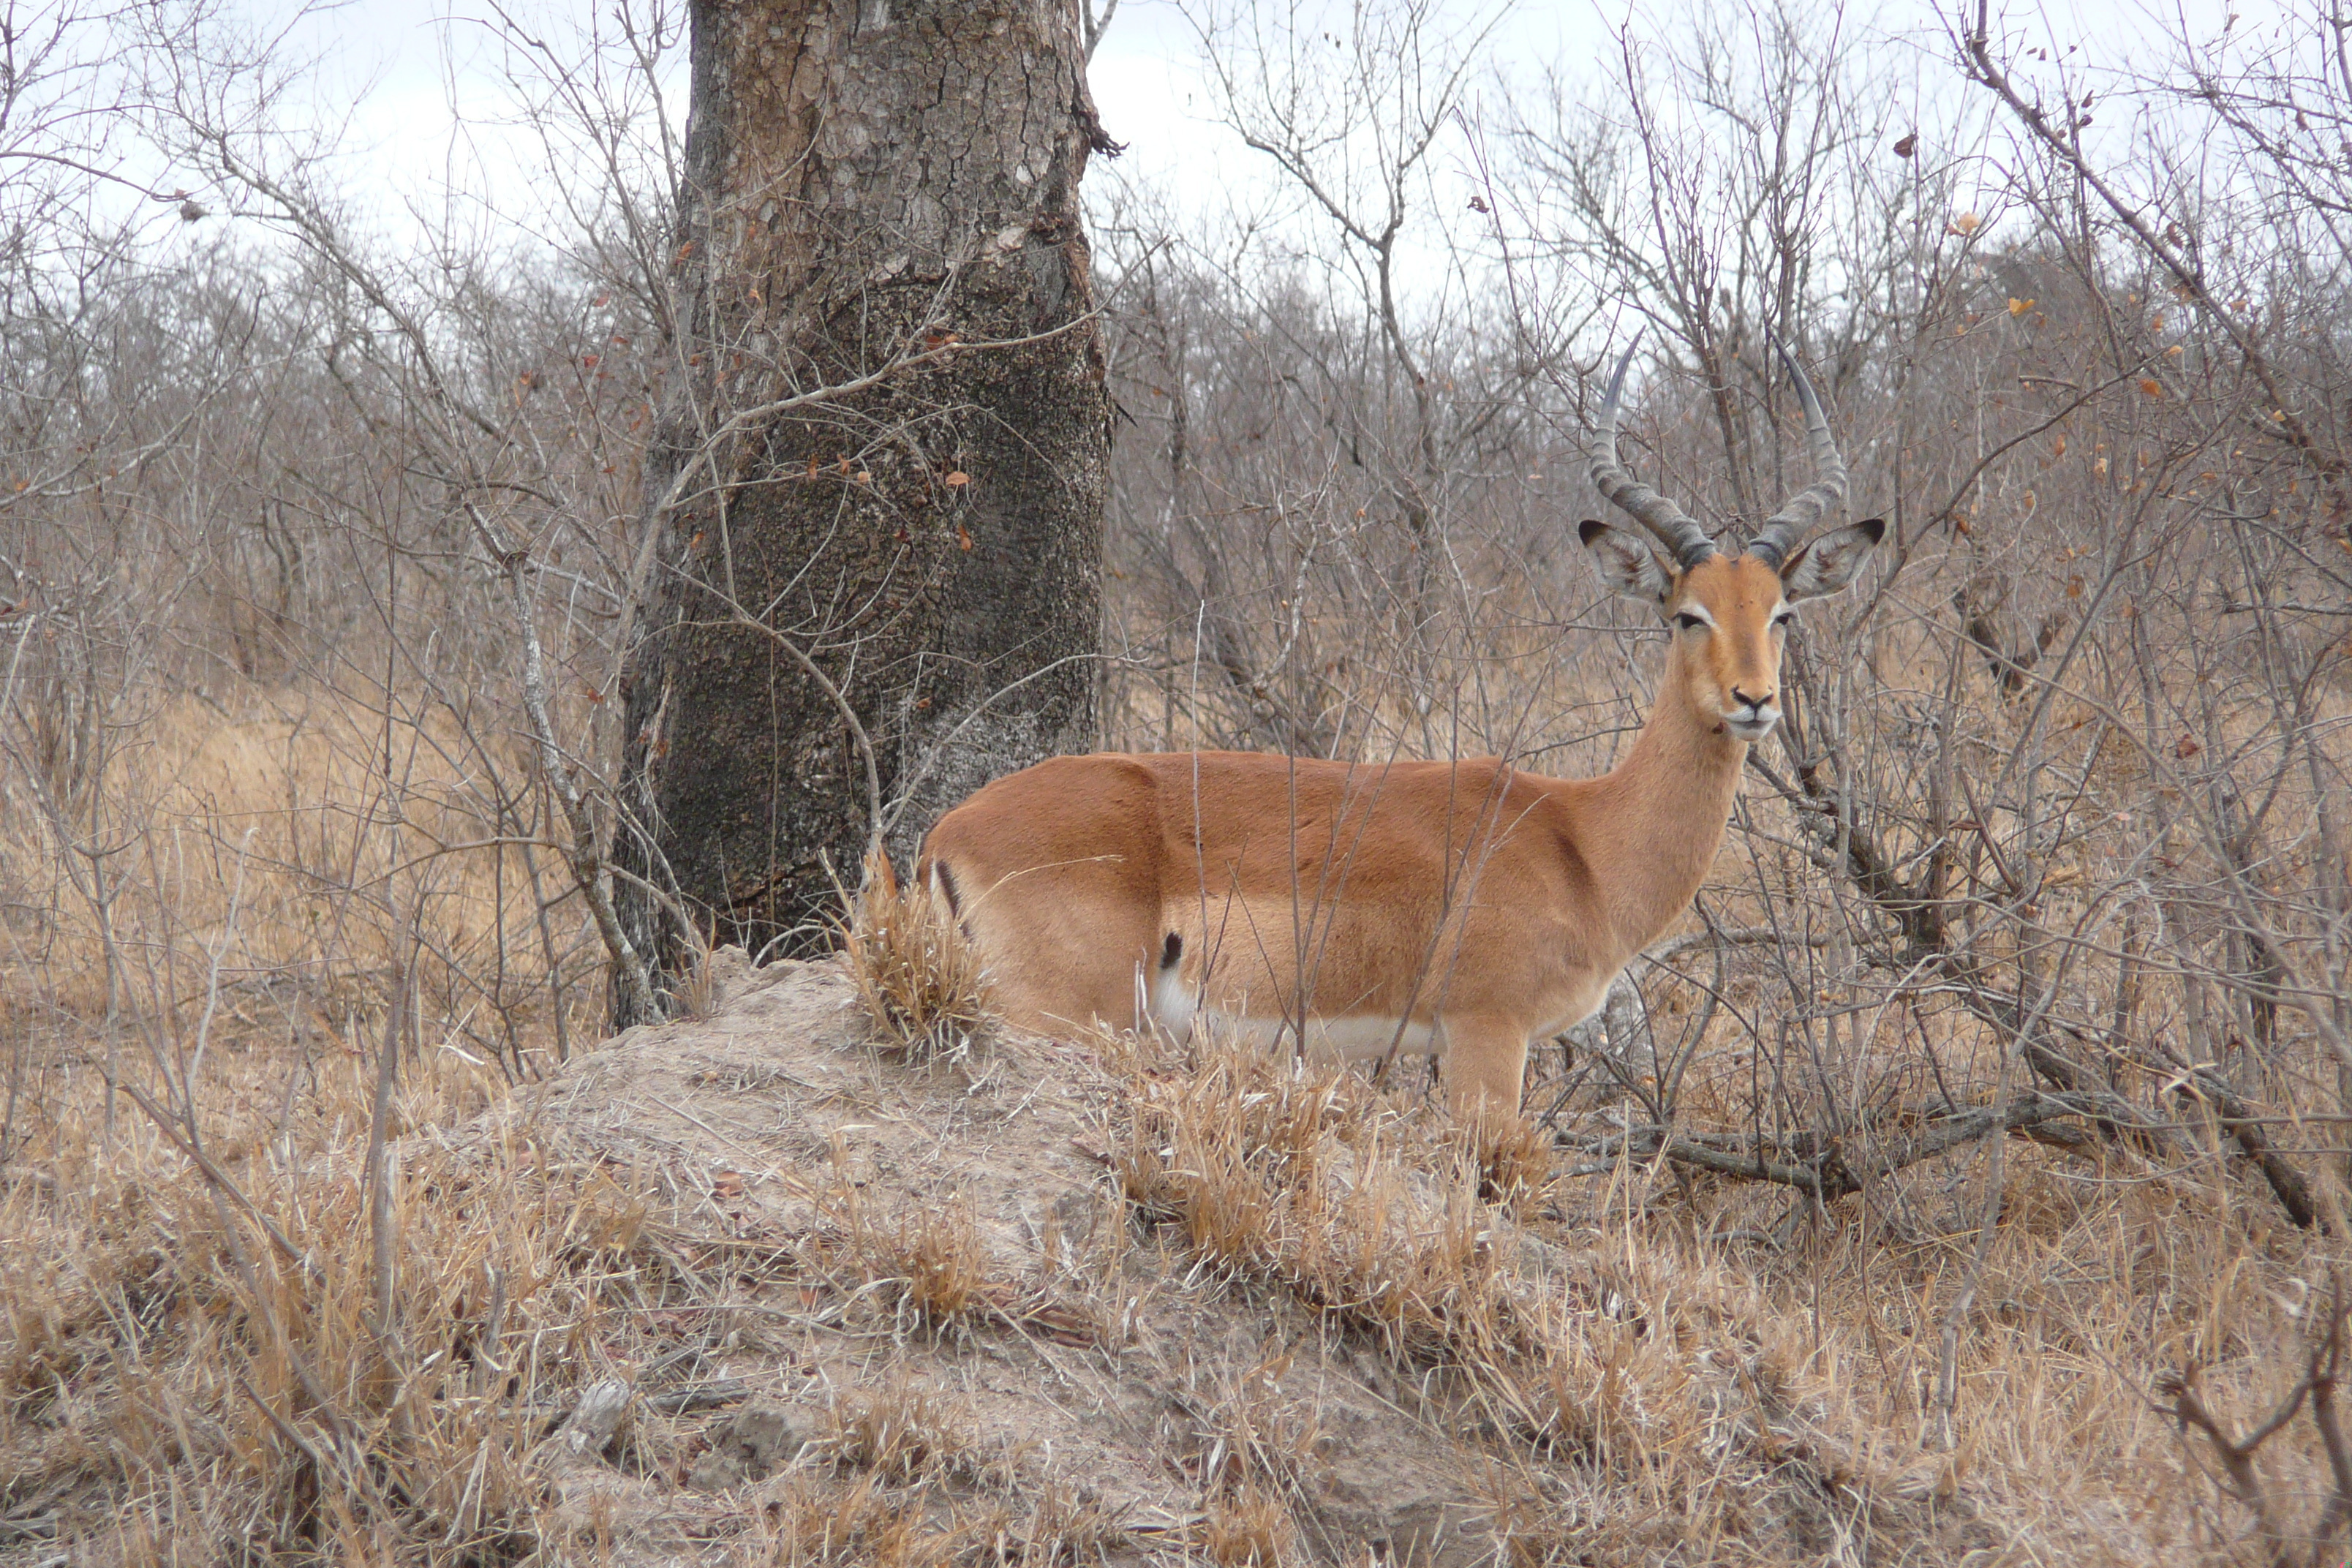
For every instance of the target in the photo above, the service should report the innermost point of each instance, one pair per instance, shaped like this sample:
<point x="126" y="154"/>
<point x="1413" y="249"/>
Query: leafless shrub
<point x="2233" y="1459"/>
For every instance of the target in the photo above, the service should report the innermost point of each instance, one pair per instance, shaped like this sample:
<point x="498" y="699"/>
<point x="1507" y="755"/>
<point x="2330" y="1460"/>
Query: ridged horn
<point x="1684" y="539"/>
<point x="1802" y="512"/>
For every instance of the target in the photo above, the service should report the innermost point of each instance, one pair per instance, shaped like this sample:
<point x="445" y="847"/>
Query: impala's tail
<point x="1168" y="1002"/>
<point x="943" y="885"/>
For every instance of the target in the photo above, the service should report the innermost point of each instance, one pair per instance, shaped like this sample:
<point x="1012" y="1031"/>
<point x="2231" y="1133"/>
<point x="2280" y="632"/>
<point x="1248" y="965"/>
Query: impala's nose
<point x="1751" y="718"/>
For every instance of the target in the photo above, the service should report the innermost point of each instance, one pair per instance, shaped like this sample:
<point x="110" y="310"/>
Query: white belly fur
<point x="1362" y="1038"/>
<point x="1176" y="1008"/>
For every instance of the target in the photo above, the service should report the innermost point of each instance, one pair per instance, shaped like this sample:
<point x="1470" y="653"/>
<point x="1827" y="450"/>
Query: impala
<point x="1461" y="908"/>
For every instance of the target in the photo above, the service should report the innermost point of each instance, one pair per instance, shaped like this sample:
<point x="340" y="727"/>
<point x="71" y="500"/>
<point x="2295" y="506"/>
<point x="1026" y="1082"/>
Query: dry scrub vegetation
<point x="1966" y="1182"/>
<point x="918" y="971"/>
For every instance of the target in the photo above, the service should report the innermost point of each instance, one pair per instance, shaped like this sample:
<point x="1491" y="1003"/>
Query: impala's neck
<point x="1650" y="828"/>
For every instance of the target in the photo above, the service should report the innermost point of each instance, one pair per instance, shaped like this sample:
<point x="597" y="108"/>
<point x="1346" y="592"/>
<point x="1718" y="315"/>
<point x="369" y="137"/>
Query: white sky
<point x="416" y="92"/>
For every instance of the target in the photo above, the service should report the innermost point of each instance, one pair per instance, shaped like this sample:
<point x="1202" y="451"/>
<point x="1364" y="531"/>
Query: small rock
<point x="748" y="1444"/>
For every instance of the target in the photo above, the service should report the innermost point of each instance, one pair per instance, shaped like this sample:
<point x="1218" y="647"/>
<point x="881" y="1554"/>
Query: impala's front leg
<point x="1486" y="1057"/>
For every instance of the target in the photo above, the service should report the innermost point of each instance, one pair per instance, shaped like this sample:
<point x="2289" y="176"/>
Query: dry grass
<point x="903" y="1433"/>
<point x="1368" y="1207"/>
<point x="1247" y="1527"/>
<point x="212" y="1353"/>
<point x="238" y="1402"/>
<point x="1636" y="1365"/>
<point x="871" y="1524"/>
<point x="898" y="1476"/>
<point x="1646" y="1389"/>
<point x="930" y="1254"/>
<point x="261" y="880"/>
<point x="810" y="1526"/>
<point x="922" y="977"/>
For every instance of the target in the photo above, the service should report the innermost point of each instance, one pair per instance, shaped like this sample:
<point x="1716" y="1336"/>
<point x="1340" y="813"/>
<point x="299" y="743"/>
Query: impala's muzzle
<point x="1750" y="719"/>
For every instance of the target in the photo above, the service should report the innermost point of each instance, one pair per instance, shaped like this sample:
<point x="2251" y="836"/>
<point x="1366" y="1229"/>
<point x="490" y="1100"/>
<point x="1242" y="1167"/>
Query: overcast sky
<point x="417" y="88"/>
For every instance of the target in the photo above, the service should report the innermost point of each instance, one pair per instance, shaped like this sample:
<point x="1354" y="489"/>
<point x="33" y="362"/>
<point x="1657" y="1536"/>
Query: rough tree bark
<point x="870" y="184"/>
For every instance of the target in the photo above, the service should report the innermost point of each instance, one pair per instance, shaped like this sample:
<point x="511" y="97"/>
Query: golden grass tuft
<point x="809" y="1526"/>
<point x="1305" y="1174"/>
<point x="1247" y="1527"/>
<point x="919" y="975"/>
<point x="876" y="1522"/>
<point x="932" y="1253"/>
<point x="903" y="1433"/>
<point x="1512" y="1152"/>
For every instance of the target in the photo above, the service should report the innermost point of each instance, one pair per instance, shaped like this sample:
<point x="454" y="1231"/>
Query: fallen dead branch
<point x="1822" y="1167"/>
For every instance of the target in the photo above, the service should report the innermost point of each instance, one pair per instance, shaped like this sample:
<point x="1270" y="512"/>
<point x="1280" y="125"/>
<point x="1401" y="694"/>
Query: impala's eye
<point x="1690" y="623"/>
<point x="1785" y="619"/>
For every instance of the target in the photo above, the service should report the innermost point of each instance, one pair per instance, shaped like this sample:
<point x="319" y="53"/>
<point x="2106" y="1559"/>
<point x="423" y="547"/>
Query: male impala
<point x="1462" y="908"/>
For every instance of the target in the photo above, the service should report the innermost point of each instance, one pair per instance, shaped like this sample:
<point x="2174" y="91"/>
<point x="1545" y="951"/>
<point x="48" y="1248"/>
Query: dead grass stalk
<point x="921" y="976"/>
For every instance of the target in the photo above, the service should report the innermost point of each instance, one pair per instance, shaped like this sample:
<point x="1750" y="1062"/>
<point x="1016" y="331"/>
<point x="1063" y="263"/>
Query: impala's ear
<point x="1629" y="565"/>
<point x="1827" y="562"/>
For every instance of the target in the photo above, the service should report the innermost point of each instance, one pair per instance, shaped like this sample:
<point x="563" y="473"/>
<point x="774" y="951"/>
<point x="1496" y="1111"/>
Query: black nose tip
<point x="1739" y="695"/>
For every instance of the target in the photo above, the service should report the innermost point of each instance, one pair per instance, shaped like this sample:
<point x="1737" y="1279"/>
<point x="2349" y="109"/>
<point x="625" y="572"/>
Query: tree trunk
<point x="866" y="182"/>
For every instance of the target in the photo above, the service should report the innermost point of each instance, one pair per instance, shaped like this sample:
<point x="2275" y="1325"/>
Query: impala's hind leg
<point x="1062" y="954"/>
